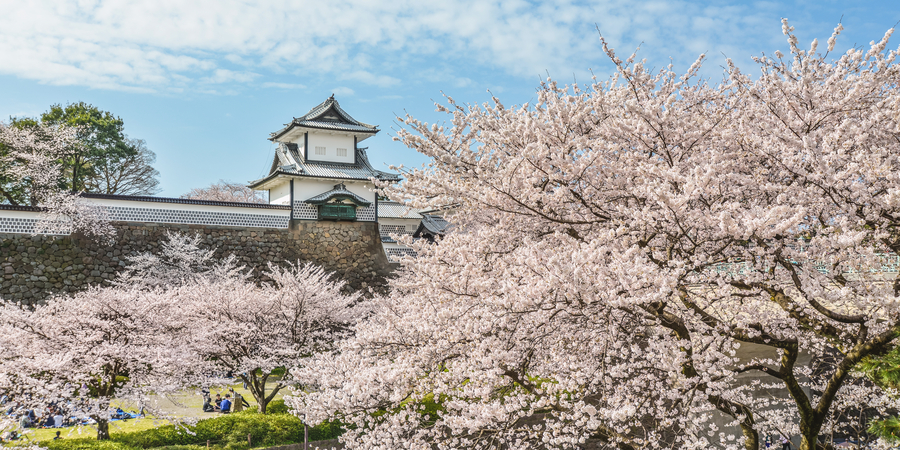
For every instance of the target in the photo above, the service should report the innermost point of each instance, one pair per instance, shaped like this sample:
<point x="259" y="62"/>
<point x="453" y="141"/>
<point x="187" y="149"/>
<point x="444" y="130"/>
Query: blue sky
<point x="204" y="82"/>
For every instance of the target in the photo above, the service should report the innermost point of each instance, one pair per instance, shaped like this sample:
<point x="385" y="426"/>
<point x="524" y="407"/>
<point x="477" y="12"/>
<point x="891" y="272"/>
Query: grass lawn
<point x="90" y="431"/>
<point x="190" y="404"/>
<point x="239" y="431"/>
<point x="185" y="404"/>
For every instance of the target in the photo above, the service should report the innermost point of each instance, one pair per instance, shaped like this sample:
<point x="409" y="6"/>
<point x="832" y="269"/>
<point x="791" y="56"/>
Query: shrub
<point x="277" y="407"/>
<point x="227" y="432"/>
<point x="85" y="444"/>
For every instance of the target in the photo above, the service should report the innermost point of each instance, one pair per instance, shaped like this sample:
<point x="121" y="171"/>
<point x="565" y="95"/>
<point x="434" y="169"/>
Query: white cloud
<point x="154" y="45"/>
<point x="371" y="78"/>
<point x="220" y="76"/>
<point x="270" y="84"/>
<point x="463" y="82"/>
<point x="343" y="91"/>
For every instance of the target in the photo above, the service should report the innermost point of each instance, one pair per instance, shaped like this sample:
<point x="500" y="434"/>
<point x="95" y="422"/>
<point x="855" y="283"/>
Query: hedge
<point x="227" y="432"/>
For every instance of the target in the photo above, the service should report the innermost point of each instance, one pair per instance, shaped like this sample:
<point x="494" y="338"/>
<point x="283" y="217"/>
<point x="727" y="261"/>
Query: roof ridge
<point x="323" y="108"/>
<point x="313" y="119"/>
<point x="339" y="190"/>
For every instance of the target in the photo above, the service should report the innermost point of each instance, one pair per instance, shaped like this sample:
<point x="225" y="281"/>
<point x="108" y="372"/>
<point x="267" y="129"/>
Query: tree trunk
<point x="102" y="429"/>
<point x="75" y="174"/>
<point x="257" y="386"/>
<point x="751" y="438"/>
<point x="809" y="442"/>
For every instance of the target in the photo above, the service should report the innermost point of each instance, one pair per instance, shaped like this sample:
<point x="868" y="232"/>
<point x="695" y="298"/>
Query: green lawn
<point x="221" y="432"/>
<point x="182" y="405"/>
<point x="90" y="431"/>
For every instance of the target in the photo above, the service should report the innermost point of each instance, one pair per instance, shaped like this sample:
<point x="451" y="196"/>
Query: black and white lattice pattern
<point x="20" y="225"/>
<point x="366" y="214"/>
<point x="387" y="230"/>
<point x="128" y="214"/>
<point x="305" y="211"/>
<point x="395" y="254"/>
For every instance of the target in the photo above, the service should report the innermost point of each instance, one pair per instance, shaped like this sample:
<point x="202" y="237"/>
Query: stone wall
<point x="35" y="267"/>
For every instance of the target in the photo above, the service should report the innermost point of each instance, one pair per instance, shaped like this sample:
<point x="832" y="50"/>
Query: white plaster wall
<point x="331" y="144"/>
<point x="20" y="214"/>
<point x="311" y="187"/>
<point x="281" y="194"/>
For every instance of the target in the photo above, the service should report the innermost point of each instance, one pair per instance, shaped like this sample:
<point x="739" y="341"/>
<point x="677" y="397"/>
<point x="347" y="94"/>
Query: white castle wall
<point x="331" y="144"/>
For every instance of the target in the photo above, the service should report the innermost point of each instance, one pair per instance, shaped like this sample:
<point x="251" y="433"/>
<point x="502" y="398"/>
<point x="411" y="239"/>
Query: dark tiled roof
<point x="431" y="227"/>
<point x="288" y="161"/>
<point x="435" y="225"/>
<point x="319" y="117"/>
<point x="334" y="126"/>
<point x="20" y="208"/>
<point x="184" y="201"/>
<point x="339" y="191"/>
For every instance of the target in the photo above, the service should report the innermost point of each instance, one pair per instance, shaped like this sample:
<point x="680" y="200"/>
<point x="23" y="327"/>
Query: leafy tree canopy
<point x="102" y="159"/>
<point x="101" y="137"/>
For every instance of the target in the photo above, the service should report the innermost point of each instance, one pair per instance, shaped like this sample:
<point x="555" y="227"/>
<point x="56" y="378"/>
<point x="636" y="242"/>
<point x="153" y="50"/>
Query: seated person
<point x="225" y="406"/>
<point x="207" y="405"/>
<point x="121" y="414"/>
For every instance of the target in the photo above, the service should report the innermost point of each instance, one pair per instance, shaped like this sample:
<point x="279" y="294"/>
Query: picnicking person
<point x="208" y="405"/>
<point x="225" y="406"/>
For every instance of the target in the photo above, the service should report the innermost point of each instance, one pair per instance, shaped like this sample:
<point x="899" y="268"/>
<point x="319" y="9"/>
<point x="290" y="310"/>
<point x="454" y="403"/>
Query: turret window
<point x="342" y="152"/>
<point x="320" y="150"/>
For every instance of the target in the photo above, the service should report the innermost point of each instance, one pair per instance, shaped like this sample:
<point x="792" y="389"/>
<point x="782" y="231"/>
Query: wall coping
<point x="139" y="198"/>
<point x="184" y="201"/>
<point x="20" y="208"/>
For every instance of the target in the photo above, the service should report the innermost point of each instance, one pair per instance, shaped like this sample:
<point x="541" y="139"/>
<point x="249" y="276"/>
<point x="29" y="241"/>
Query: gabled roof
<point x="339" y="192"/>
<point x="328" y="115"/>
<point x="432" y="226"/>
<point x="288" y="161"/>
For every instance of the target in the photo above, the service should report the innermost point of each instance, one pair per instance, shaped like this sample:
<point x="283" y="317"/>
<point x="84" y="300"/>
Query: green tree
<point x="129" y="175"/>
<point x="884" y="370"/>
<point x="104" y="160"/>
<point x="101" y="138"/>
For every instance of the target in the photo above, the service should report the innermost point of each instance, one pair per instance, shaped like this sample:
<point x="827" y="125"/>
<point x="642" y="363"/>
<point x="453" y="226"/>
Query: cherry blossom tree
<point x="250" y="330"/>
<point x="90" y="348"/>
<point x="179" y="261"/>
<point x="232" y="324"/>
<point x="226" y="191"/>
<point x="648" y="261"/>
<point x="33" y="158"/>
